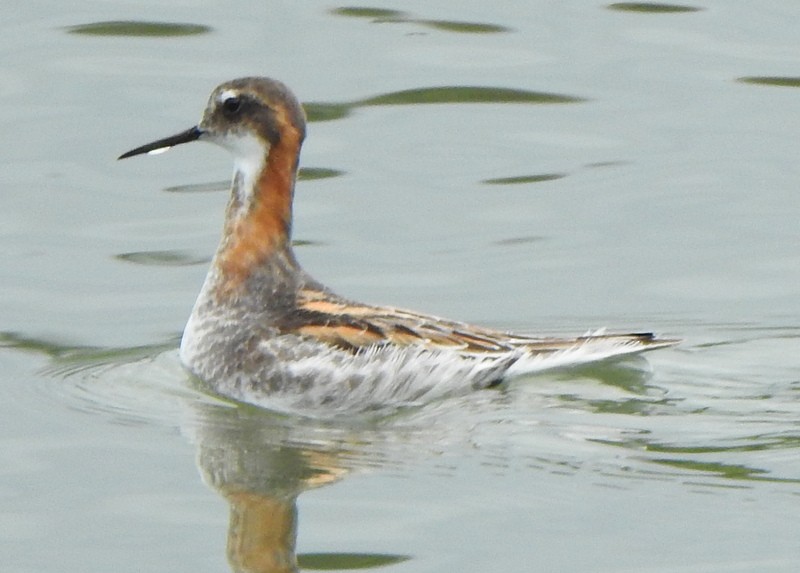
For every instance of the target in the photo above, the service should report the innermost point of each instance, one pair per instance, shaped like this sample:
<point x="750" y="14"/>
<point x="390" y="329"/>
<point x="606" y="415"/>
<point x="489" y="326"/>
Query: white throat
<point x="249" y="154"/>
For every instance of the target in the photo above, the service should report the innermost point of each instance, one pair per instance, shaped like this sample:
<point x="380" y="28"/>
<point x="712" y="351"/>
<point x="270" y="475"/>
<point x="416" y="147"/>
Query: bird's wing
<point x="353" y="326"/>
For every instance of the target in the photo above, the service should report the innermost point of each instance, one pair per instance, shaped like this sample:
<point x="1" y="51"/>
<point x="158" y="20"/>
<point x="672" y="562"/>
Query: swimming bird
<point x="264" y="331"/>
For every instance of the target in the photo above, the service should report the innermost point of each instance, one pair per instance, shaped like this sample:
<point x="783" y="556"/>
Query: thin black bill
<point x="187" y="136"/>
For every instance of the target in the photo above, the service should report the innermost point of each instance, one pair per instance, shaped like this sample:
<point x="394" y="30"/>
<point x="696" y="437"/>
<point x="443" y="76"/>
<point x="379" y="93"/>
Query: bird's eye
<point x="232" y="105"/>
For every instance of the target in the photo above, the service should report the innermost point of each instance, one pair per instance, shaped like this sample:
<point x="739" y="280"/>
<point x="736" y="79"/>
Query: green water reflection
<point x="629" y="406"/>
<point x="304" y="174"/>
<point x="652" y="8"/>
<point x="340" y="561"/>
<point x="374" y="14"/>
<point x="463" y="27"/>
<point x="736" y="472"/>
<point x="138" y="28"/>
<point x="314" y="173"/>
<point x="522" y="179"/>
<point x="175" y="258"/>
<point x="382" y="15"/>
<point x="316" y="111"/>
<point x="466" y="94"/>
<point x="67" y="359"/>
<point x="513" y="241"/>
<point x="780" y="81"/>
<point x="162" y="258"/>
<point x="328" y="111"/>
<point x="694" y="458"/>
<point x="210" y="187"/>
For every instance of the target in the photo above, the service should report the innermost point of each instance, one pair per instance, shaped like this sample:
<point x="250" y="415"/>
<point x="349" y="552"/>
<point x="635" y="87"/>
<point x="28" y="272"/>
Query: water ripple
<point x="652" y="8"/>
<point x="341" y="561"/>
<point x="162" y="258"/>
<point x="383" y="16"/>
<point x="303" y="174"/>
<point x="467" y="94"/>
<point x="522" y="179"/>
<point x="329" y="111"/>
<point x="779" y="81"/>
<point x="688" y="418"/>
<point x="138" y="28"/>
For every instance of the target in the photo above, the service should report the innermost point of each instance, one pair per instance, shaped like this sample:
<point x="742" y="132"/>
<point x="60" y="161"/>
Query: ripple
<point x="303" y="174"/>
<point x="717" y="415"/>
<point x="148" y="385"/>
<point x="521" y="179"/>
<point x="780" y="81"/>
<point x="318" y="111"/>
<point x="67" y="359"/>
<point x="307" y="243"/>
<point x="138" y="28"/>
<point x="519" y="241"/>
<point x="467" y="94"/>
<point x="382" y="16"/>
<point x="146" y="389"/>
<point x="736" y="472"/>
<point x="330" y="111"/>
<point x="652" y="8"/>
<point x="375" y="14"/>
<point x="130" y="385"/>
<point x="314" y="173"/>
<point x="211" y="187"/>
<point x="167" y="258"/>
<point x="340" y="561"/>
<point x="463" y="27"/>
<point x="162" y="258"/>
<point x="604" y="164"/>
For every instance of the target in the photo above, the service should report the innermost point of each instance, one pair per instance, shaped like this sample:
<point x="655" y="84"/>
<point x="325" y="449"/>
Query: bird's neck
<point x="258" y="220"/>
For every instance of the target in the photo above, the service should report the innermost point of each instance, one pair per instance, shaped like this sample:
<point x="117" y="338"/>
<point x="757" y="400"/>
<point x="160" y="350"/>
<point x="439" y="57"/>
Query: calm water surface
<point x="546" y="167"/>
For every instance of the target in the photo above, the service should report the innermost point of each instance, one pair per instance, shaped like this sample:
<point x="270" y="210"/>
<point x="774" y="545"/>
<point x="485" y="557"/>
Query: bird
<point x="264" y="331"/>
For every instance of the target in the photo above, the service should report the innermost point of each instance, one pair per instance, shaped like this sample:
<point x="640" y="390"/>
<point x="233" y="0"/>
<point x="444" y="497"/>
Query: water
<point x="657" y="192"/>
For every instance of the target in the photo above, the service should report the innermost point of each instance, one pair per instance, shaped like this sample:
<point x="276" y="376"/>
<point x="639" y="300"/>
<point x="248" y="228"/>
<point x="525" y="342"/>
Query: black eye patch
<point x="232" y="105"/>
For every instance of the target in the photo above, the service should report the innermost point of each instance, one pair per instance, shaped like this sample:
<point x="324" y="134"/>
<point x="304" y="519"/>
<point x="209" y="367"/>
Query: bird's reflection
<point x="260" y="463"/>
<point x="262" y="532"/>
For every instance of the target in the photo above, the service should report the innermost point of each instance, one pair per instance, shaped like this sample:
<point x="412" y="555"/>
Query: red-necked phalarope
<point x="262" y="330"/>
